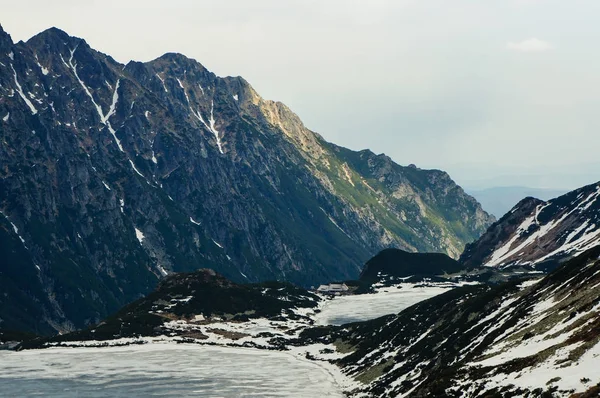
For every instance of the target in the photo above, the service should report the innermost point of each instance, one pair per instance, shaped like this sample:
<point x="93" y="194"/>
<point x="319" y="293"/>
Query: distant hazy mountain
<point x="499" y="200"/>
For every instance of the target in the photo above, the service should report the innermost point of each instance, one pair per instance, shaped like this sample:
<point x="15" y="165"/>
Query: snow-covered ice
<point x="392" y="300"/>
<point x="164" y="369"/>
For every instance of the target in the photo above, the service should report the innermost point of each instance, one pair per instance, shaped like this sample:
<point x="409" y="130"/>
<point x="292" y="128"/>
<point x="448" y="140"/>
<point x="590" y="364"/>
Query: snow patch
<point x="216" y="243"/>
<point x="213" y="129"/>
<point x="137" y="171"/>
<point x="21" y="94"/>
<point x="111" y="111"/>
<point x="163" y="82"/>
<point x="15" y="229"/>
<point x="44" y="70"/>
<point x="210" y="127"/>
<point x="139" y="235"/>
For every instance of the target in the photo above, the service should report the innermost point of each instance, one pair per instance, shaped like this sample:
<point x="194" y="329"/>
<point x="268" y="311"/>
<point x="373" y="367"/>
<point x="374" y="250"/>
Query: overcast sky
<point x="497" y="92"/>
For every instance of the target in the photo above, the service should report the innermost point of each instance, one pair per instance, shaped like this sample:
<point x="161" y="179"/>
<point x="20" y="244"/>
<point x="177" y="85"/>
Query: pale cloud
<point x="527" y="2"/>
<point x="532" y="45"/>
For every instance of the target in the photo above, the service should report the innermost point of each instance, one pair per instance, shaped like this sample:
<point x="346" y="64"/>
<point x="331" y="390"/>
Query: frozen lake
<point x="168" y="369"/>
<point x="187" y="370"/>
<point x="346" y="309"/>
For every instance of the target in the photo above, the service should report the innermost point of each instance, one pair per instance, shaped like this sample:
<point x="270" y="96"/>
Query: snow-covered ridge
<point x="552" y="230"/>
<point x="518" y="339"/>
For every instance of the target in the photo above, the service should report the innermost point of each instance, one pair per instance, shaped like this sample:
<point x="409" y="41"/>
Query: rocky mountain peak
<point x="5" y="40"/>
<point x="538" y="234"/>
<point x="56" y="41"/>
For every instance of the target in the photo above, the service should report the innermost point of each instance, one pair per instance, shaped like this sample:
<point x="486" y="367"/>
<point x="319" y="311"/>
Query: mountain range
<point x="114" y="176"/>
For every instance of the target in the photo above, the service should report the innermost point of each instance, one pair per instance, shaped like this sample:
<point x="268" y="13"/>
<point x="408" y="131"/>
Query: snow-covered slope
<point x="537" y="233"/>
<point x="532" y="338"/>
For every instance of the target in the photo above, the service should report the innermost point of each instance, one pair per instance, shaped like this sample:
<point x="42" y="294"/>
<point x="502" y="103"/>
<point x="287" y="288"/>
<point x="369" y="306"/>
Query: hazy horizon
<point x="495" y="94"/>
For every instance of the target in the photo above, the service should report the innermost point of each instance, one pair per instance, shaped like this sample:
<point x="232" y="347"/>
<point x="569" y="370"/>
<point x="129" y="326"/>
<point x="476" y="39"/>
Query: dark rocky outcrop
<point x="398" y="263"/>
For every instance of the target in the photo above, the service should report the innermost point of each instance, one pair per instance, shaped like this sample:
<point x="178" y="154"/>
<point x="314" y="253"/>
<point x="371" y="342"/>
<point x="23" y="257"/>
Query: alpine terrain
<point x="113" y="176"/>
<point x="538" y="235"/>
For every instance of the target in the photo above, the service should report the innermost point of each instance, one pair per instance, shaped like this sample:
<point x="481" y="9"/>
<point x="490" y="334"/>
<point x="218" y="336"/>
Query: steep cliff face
<point x="113" y="176"/>
<point x="537" y="234"/>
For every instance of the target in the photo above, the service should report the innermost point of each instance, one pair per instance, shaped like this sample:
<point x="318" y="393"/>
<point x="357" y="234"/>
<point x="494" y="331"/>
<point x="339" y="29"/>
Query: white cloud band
<point x="532" y="45"/>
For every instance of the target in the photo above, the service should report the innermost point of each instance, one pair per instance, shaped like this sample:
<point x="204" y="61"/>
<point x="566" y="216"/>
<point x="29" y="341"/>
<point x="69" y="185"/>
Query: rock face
<point x="537" y="234"/>
<point x="113" y="176"/>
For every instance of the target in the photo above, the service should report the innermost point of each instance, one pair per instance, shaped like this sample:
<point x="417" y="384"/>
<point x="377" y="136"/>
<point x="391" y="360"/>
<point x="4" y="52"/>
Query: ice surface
<point x="163" y="370"/>
<point x="345" y="309"/>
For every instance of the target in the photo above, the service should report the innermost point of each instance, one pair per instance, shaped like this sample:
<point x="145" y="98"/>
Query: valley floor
<point x="221" y="363"/>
